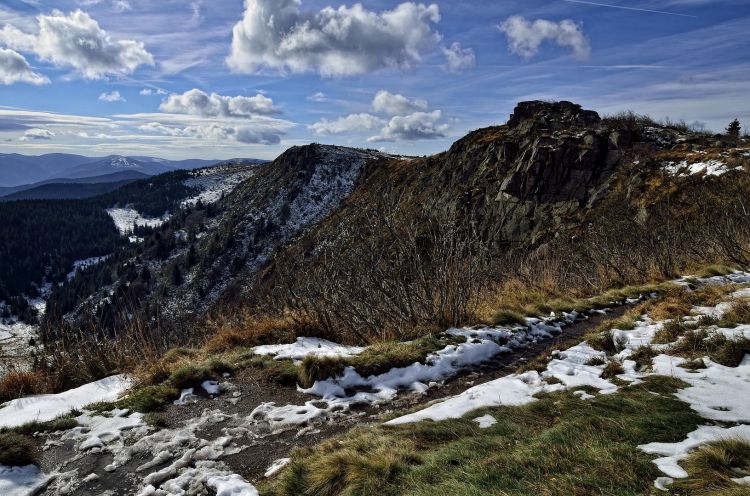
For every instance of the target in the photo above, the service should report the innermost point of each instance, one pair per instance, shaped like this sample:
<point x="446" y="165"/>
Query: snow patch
<point x="485" y="421"/>
<point x="673" y="453"/>
<point x="127" y="218"/>
<point x="709" y="168"/>
<point x="22" y="481"/>
<point x="305" y="347"/>
<point x="47" y="407"/>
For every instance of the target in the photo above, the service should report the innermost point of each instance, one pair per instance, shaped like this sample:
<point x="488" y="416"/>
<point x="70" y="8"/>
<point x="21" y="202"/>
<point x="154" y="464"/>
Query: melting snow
<point x="276" y="467"/>
<point x="21" y="481"/>
<point x="307" y="347"/>
<point x="485" y="421"/>
<point x="673" y="453"/>
<point x="50" y="406"/>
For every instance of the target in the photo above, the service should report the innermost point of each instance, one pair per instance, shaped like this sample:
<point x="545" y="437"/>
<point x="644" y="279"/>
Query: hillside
<point x="554" y="179"/>
<point x="556" y="305"/>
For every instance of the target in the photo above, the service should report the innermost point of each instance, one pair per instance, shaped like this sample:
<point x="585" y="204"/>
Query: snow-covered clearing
<point x="16" y="337"/>
<point x="84" y="264"/>
<point x="127" y="218"/>
<point x="304" y="347"/>
<point x="47" y="407"/>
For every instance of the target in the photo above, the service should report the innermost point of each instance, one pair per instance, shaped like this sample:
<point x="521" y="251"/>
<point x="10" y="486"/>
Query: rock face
<point x="548" y="162"/>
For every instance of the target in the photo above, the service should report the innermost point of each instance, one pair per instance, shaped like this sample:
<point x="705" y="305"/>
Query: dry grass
<point x="712" y="467"/>
<point x="19" y="383"/>
<point x="253" y="330"/>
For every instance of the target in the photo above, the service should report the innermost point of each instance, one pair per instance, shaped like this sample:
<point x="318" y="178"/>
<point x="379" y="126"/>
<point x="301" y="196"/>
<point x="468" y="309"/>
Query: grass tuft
<point x="712" y="467"/>
<point x="16" y="450"/>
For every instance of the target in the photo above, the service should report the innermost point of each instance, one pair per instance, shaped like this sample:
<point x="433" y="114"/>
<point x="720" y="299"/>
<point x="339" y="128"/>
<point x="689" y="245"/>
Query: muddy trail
<point x="219" y="424"/>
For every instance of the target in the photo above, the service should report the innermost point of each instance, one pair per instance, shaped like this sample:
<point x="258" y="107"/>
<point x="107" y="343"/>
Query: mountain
<point x="555" y="183"/>
<point x="19" y="170"/>
<point x="66" y="191"/>
<point x="107" y="178"/>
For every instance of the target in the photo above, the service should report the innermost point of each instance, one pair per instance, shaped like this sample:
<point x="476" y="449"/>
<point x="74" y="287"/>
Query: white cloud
<point x="459" y="59"/>
<point x="391" y="104"/>
<point x="152" y="91"/>
<point x="14" y="68"/>
<point x="37" y="134"/>
<point x="335" y="42"/>
<point x="318" y="97"/>
<point x="121" y="6"/>
<point x="215" y="131"/>
<point x="112" y="96"/>
<point x="197" y="102"/>
<point x="525" y="37"/>
<point x="76" y="40"/>
<point x="413" y="127"/>
<point x="349" y="123"/>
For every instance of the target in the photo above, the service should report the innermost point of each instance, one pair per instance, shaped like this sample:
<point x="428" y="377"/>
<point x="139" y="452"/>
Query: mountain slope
<point x="556" y="189"/>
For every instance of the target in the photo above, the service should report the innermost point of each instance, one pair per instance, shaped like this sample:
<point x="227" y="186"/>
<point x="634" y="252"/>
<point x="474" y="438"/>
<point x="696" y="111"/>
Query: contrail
<point x="628" y="8"/>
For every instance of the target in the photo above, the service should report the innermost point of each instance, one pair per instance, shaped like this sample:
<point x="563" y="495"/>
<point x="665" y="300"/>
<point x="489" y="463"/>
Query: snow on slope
<point x="127" y="218"/>
<point x="215" y="182"/>
<point x="47" y="407"/>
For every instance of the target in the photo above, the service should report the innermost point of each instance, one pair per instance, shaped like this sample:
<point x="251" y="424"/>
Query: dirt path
<point x="254" y="452"/>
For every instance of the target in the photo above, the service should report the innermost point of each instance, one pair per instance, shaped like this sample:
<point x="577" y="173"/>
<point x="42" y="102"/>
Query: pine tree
<point x="733" y="129"/>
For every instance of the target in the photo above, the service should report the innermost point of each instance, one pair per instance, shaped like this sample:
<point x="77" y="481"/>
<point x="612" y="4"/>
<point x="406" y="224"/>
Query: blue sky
<point x="227" y="78"/>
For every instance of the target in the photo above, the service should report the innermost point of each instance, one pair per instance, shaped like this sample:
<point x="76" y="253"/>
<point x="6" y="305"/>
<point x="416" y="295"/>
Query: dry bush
<point x="392" y="276"/>
<point x="18" y="383"/>
<point x="249" y="329"/>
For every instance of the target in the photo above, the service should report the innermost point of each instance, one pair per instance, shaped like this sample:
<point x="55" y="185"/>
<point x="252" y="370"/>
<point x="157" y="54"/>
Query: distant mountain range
<point x="20" y="170"/>
<point x="60" y="175"/>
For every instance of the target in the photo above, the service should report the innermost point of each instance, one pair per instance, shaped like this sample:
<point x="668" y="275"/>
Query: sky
<point x="219" y="79"/>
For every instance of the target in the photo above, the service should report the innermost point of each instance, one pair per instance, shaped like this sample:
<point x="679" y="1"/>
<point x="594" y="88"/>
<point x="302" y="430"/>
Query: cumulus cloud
<point x="413" y="127"/>
<point x="197" y="102"/>
<point x="152" y="91"/>
<point x="458" y="59"/>
<point x="14" y="68"/>
<point x="76" y="40"/>
<point x="37" y="134"/>
<point x="349" y="123"/>
<point x="112" y="96"/>
<point x="335" y="42"/>
<point x="391" y="104"/>
<point x="525" y="37"/>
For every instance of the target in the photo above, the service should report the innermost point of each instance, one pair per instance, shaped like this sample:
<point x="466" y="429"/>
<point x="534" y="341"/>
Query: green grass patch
<point x="558" y="445"/>
<point x="61" y="423"/>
